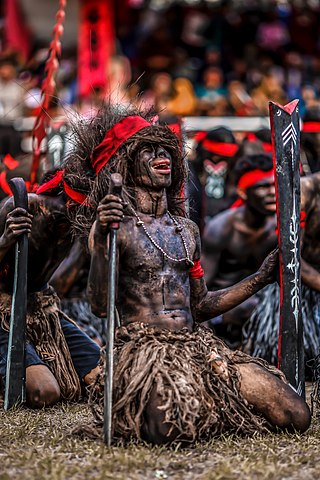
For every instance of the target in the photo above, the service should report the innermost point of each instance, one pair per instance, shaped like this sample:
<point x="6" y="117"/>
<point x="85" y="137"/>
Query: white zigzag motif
<point x="288" y="134"/>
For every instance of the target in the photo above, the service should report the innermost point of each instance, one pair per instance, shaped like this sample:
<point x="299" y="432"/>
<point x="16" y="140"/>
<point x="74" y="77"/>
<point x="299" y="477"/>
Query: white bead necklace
<point x="179" y="229"/>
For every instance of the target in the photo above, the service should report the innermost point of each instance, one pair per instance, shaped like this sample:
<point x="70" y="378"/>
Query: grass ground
<point x="39" y="445"/>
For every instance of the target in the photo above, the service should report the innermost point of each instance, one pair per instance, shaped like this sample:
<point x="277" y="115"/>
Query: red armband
<point x="303" y="217"/>
<point x="196" y="271"/>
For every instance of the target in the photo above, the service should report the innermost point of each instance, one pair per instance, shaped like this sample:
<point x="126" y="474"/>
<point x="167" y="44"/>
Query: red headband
<point x="267" y="147"/>
<point x="55" y="182"/>
<point x="114" y="138"/>
<point x="311" y="127"/>
<point x="249" y="179"/>
<point x="220" y="148"/>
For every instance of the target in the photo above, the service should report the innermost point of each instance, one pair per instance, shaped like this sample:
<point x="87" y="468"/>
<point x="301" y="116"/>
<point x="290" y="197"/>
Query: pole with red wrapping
<point x="47" y="91"/>
<point x="285" y="132"/>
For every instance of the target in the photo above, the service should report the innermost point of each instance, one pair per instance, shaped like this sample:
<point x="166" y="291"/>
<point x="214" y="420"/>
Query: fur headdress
<point x="109" y="143"/>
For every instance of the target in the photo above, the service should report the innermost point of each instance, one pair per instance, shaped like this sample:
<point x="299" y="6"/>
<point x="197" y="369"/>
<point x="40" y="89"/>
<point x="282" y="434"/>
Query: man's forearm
<point x="215" y="303"/>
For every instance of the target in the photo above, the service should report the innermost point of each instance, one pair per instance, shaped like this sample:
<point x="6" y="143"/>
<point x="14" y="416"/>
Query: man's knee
<point x="294" y="414"/>
<point x="43" y="397"/>
<point x="42" y="388"/>
<point x="276" y="400"/>
<point x="155" y="429"/>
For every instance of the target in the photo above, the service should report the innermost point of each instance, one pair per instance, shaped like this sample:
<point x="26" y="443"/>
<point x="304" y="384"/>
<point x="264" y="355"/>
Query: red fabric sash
<point x="4" y="184"/>
<point x="220" y="148"/>
<point x="114" y="138"/>
<point x="196" y="271"/>
<point x="51" y="184"/>
<point x="74" y="195"/>
<point x="10" y="162"/>
<point x="311" y="127"/>
<point x="55" y="181"/>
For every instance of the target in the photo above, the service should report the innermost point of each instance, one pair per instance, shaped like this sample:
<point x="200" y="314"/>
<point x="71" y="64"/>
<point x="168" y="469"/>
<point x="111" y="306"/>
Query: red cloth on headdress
<point x="220" y="148"/>
<point x="55" y="181"/>
<point x="196" y="271"/>
<point x="311" y="127"/>
<point x="114" y="138"/>
<point x="267" y="147"/>
<point x="249" y="179"/>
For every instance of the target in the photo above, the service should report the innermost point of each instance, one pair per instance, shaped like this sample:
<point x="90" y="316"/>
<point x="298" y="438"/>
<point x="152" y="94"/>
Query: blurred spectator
<point x="11" y="105"/>
<point x="240" y="101"/>
<point x="183" y="101"/>
<point x="210" y="189"/>
<point x="119" y="77"/>
<point x="159" y="93"/>
<point x="269" y="89"/>
<point x="272" y="33"/>
<point x="310" y="138"/>
<point x="211" y="89"/>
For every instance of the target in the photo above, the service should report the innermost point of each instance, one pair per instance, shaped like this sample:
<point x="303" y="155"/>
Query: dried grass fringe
<point x="193" y="372"/>
<point x="45" y="333"/>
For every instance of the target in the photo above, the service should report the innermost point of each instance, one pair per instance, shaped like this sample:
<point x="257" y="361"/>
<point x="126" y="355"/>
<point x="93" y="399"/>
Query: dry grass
<point x="39" y="445"/>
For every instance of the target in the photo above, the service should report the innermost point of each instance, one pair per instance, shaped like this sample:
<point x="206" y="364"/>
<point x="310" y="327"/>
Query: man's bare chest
<point x="157" y="246"/>
<point x="247" y="248"/>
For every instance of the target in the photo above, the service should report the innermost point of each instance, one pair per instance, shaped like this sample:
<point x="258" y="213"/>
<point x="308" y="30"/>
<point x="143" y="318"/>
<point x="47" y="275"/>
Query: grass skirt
<point x="194" y="373"/>
<point x="45" y="333"/>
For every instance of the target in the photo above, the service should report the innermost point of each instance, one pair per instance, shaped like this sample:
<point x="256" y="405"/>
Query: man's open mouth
<point x="162" y="166"/>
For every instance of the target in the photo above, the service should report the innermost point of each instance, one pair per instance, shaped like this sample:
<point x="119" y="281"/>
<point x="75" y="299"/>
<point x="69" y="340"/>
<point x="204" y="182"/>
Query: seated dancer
<point x="173" y="379"/>
<point x="60" y="358"/>
<point x="70" y="282"/>
<point x="236" y="241"/>
<point x="263" y="326"/>
<point x="209" y="185"/>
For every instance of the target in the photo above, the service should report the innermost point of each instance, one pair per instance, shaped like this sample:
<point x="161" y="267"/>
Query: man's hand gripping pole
<point x="115" y="189"/>
<point x="15" y="389"/>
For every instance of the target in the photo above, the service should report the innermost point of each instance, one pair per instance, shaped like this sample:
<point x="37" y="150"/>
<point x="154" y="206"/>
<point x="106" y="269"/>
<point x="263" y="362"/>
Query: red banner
<point x="96" y="44"/>
<point x="17" y="35"/>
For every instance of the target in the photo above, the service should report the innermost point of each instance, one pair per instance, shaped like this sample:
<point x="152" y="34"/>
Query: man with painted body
<point x="161" y="392"/>
<point x="210" y="187"/>
<point x="54" y="344"/>
<point x="236" y="241"/>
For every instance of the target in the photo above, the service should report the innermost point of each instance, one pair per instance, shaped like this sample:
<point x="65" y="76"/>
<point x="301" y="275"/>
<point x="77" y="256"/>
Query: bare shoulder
<point x="310" y="188"/>
<point x="221" y="225"/>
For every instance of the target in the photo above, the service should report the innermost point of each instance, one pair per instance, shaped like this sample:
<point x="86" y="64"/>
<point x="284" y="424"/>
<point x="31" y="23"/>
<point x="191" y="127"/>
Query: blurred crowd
<point x="187" y="61"/>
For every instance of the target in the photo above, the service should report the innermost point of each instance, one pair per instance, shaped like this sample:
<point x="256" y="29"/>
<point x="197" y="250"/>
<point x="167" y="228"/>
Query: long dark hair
<point x="80" y="176"/>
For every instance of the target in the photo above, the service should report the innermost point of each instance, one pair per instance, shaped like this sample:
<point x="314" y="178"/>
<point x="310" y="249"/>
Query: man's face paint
<point x="262" y="196"/>
<point x="152" y="167"/>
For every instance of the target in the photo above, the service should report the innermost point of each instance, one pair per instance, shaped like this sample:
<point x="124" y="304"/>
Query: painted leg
<point x="154" y="429"/>
<point x="41" y="386"/>
<point x="273" y="398"/>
